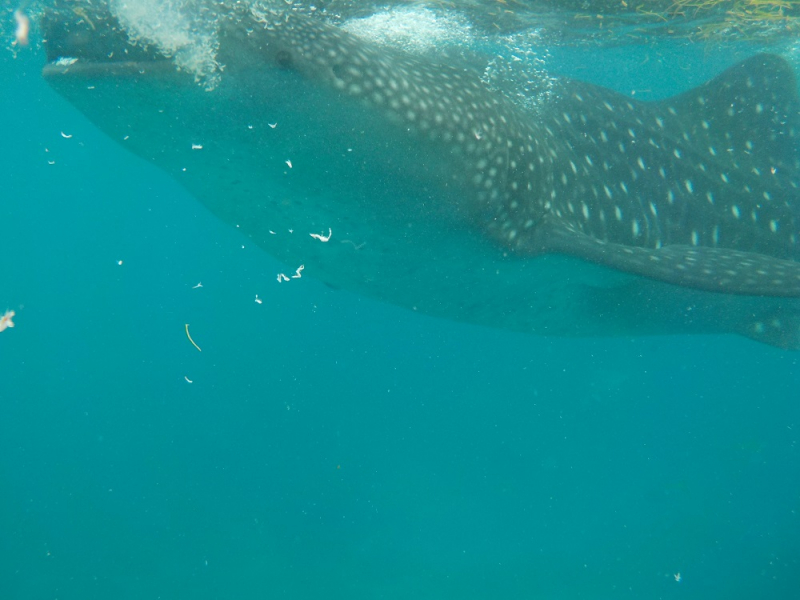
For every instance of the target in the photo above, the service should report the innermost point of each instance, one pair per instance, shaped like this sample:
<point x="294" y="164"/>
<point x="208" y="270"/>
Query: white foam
<point x="521" y="72"/>
<point x="180" y="29"/>
<point x="413" y="29"/>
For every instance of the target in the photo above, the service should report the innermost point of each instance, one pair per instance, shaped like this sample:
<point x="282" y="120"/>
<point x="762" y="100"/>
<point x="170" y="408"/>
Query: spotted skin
<point x="447" y="198"/>
<point x="700" y="190"/>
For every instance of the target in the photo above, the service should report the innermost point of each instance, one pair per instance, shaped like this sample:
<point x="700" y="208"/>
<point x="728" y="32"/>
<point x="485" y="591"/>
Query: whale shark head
<point x="593" y="215"/>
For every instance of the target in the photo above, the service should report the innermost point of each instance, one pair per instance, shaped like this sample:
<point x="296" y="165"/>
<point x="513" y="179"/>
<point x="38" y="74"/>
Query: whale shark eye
<point x="284" y="59"/>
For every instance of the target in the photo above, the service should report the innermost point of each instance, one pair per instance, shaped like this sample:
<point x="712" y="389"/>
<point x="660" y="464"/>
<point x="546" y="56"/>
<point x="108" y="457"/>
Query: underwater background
<point x="322" y="445"/>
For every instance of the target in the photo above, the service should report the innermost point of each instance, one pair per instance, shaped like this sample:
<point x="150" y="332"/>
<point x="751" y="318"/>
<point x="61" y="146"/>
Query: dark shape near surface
<point x="449" y="199"/>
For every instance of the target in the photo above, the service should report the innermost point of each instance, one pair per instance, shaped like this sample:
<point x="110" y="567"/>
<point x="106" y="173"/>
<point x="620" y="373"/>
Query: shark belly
<point x="282" y="149"/>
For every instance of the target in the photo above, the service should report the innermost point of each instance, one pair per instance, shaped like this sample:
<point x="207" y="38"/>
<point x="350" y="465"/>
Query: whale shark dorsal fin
<point x="745" y="118"/>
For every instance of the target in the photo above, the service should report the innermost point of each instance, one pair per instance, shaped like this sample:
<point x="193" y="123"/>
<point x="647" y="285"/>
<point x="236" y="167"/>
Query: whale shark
<point x="409" y="180"/>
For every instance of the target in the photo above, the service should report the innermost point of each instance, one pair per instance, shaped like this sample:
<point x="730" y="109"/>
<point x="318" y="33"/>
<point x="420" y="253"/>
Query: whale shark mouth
<point x="87" y="40"/>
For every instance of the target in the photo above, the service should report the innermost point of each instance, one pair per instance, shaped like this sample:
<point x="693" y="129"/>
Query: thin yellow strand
<point x="190" y="338"/>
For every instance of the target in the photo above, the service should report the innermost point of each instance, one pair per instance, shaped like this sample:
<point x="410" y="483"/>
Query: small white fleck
<point x="322" y="237"/>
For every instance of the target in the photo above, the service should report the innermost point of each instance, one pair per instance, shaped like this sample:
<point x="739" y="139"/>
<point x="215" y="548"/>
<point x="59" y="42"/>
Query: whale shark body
<point x="593" y="214"/>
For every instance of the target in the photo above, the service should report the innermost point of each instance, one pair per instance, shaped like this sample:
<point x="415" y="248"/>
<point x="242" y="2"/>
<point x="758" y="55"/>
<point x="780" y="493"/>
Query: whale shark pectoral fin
<point x="710" y="269"/>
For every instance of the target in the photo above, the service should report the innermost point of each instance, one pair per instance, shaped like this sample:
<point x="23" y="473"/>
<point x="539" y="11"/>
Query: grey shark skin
<point x="596" y="215"/>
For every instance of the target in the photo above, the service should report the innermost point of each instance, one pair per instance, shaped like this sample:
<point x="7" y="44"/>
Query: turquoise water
<point x="332" y="447"/>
